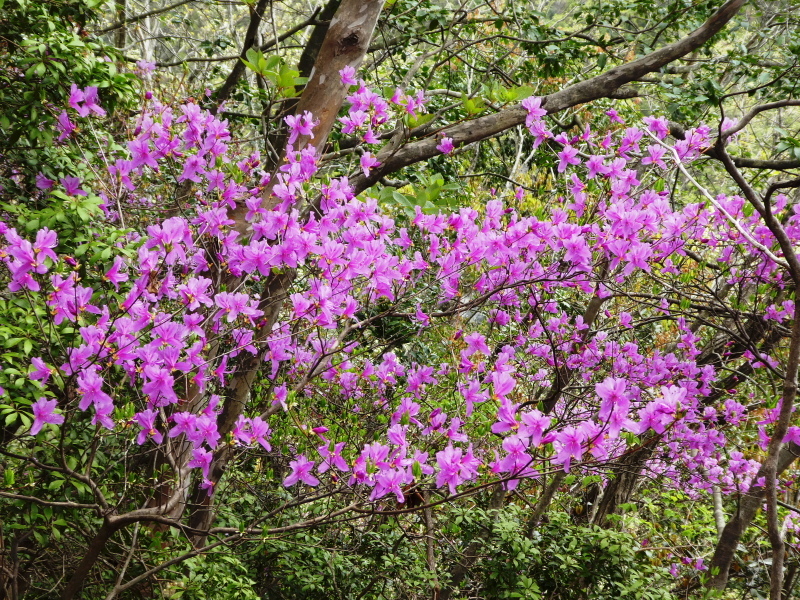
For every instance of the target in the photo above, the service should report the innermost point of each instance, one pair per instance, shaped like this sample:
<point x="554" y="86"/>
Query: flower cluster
<point x="180" y="336"/>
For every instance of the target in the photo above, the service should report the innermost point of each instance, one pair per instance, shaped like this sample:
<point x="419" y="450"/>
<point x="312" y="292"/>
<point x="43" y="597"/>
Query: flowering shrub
<point x="368" y="354"/>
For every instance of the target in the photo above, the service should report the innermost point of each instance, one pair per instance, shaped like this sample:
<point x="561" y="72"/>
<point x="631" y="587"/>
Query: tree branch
<point x="594" y="88"/>
<point x="41" y="502"/>
<point x="224" y="92"/>
<point x="141" y="17"/>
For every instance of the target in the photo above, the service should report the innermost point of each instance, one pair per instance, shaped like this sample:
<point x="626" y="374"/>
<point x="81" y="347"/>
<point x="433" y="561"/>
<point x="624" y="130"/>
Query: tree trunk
<point x="746" y="511"/>
<point x="345" y="43"/>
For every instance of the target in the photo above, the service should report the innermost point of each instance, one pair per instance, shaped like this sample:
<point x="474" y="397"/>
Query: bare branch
<point x="41" y="502"/>
<point x="141" y="17"/>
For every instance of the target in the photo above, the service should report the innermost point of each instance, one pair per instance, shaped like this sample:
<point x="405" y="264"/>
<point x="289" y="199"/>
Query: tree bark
<point x="96" y="546"/>
<point x="345" y="44"/>
<point x="304" y="66"/>
<point x="627" y="473"/>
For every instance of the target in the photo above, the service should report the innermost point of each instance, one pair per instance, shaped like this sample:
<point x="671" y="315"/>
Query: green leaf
<point x="419" y="120"/>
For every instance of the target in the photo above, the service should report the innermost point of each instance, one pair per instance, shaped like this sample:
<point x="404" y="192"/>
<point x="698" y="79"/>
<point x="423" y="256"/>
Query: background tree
<point x="693" y="314"/>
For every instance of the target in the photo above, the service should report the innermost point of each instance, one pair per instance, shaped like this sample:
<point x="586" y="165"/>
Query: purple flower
<point x="476" y="342"/>
<point x="406" y="412"/>
<point x="41" y="371"/>
<point x="44" y="412"/>
<point x="506" y="417"/>
<point x="90" y="102"/>
<point x="301" y="471"/>
<point x="300" y="125"/>
<point x="114" y="275"/>
<point x="654" y="156"/>
<point x="534" y="424"/>
<point x="332" y="458"/>
<point x="533" y="105"/>
<point x="568" y="445"/>
<point x="232" y="305"/>
<point x="145" y="67"/>
<point x="184" y="423"/>
<point x="595" y="166"/>
<point x="193" y="167"/>
<point x="659" y="126"/>
<point x="281" y="395"/>
<point x="141" y="155"/>
<point x="206" y="431"/>
<point x="568" y="156"/>
<point x="64" y="125"/>
<point x="348" y="75"/>
<point x="90" y="387"/>
<point x="201" y="458"/>
<point x="455" y="467"/>
<point x="72" y="186"/>
<point x="502" y="384"/>
<point x="368" y="162"/>
<point x="43" y="183"/>
<point x="75" y="98"/>
<point x="472" y="394"/>
<point x="388" y="482"/>
<point x="445" y="146"/>
<point x="147" y="421"/>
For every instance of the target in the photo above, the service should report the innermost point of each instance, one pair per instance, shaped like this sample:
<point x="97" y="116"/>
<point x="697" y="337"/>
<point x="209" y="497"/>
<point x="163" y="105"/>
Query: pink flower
<point x="595" y="165"/>
<point x="348" y="75"/>
<point x="568" y="445"/>
<point x="506" y="417"/>
<point x="41" y="371"/>
<point x="90" y="102"/>
<point x="184" y="423"/>
<point x="44" y="412"/>
<point x="475" y="343"/>
<point x="388" y="482"/>
<point x="72" y="186"/>
<point x="145" y="67"/>
<point x="43" y="183"/>
<point x="332" y="458"/>
<point x="64" y="125"/>
<point x="368" y="162"/>
<point x="659" y="126"/>
<point x="472" y="395"/>
<point x="201" y="458"/>
<point x="502" y="384"/>
<point x="533" y="105"/>
<point x="75" y="98"/>
<point x="568" y="156"/>
<point x="445" y="146"/>
<point x="654" y="156"/>
<point x="533" y="426"/>
<point x="147" y="421"/>
<point x="301" y="471"/>
<point x="114" y="275"/>
<point x="300" y="125"/>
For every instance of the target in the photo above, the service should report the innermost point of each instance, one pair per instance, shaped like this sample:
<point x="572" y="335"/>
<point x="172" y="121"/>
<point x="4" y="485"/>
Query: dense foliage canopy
<point x="490" y="299"/>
